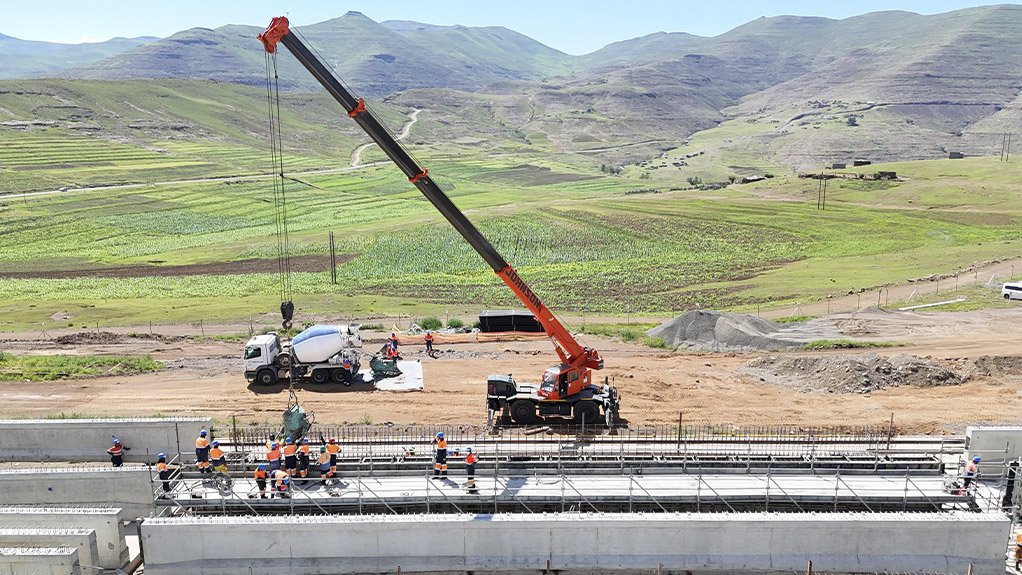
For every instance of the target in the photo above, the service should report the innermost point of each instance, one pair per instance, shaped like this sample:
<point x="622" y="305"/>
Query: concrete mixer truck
<point x="322" y="353"/>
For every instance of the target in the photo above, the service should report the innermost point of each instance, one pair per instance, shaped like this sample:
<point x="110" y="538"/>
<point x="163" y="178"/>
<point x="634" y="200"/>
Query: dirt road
<point x="203" y="377"/>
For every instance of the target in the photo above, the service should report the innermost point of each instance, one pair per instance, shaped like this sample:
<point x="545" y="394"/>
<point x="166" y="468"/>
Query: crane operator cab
<point x="556" y="380"/>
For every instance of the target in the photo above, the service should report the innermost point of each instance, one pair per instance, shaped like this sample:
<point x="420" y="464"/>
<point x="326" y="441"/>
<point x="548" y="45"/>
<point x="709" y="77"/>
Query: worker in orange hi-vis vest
<point x="470" y="470"/>
<point x="440" y="462"/>
<point x="273" y="456"/>
<point x="164" y="472"/>
<point x="333" y="449"/>
<point x="202" y="453"/>
<point x="290" y="457"/>
<point x="303" y="460"/>
<point x="429" y="340"/>
<point x="261" y="474"/>
<point x="116" y="453"/>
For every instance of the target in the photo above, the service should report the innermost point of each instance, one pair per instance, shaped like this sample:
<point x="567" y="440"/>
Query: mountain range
<point x="917" y="85"/>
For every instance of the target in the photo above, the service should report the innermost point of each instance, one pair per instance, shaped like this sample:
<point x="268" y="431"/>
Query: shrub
<point x="430" y="323"/>
<point x="455" y="323"/>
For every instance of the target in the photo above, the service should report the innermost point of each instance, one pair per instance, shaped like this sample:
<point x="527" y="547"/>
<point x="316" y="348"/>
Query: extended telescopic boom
<point x="577" y="359"/>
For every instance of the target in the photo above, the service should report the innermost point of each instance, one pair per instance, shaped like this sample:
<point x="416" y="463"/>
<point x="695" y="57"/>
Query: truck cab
<point x="261" y="354"/>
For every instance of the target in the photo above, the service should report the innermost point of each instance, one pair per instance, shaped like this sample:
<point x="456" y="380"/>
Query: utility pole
<point x="333" y="260"/>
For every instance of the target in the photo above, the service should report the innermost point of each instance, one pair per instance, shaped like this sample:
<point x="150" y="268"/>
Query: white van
<point x="1012" y="290"/>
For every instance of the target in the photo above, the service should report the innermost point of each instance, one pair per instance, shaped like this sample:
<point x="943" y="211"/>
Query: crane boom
<point x="577" y="360"/>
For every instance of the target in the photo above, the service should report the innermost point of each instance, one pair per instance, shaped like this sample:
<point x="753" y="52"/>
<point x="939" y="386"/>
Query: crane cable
<point x="279" y="197"/>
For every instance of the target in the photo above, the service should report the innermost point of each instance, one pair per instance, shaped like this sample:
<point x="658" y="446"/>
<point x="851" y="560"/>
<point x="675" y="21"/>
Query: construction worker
<point x="971" y="472"/>
<point x="470" y="470"/>
<point x="202" y="453"/>
<point x="290" y="456"/>
<point x="217" y="457"/>
<point x="346" y="366"/>
<point x="117" y="453"/>
<point x="440" y="462"/>
<point x="393" y="339"/>
<point x="324" y="464"/>
<point x="273" y="456"/>
<point x="1018" y="550"/>
<point x="429" y="340"/>
<point x="281" y="483"/>
<point x="261" y="474"/>
<point x="164" y="472"/>
<point x="392" y="353"/>
<point x="333" y="450"/>
<point x="303" y="460"/>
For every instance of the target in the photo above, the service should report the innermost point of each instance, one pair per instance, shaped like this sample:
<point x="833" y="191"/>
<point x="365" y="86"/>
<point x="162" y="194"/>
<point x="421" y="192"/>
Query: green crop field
<point x="589" y="242"/>
<point x="177" y="244"/>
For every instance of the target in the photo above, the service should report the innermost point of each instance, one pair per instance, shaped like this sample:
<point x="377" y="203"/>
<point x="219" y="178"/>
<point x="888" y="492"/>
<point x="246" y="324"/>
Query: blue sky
<point x="573" y="26"/>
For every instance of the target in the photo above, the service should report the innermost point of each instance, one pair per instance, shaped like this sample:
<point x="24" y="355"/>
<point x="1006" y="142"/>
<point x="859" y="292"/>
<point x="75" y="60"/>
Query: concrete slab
<point x="84" y="540"/>
<point x="571" y="542"/>
<point x="39" y="561"/>
<point x="128" y="488"/>
<point x="88" y="439"/>
<point x="542" y="492"/>
<point x="106" y="522"/>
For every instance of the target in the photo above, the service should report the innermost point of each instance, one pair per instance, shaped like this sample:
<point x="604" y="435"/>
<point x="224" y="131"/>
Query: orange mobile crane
<point x="567" y="389"/>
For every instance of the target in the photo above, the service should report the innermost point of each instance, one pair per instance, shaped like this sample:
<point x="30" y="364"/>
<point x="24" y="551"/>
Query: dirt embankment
<point x="852" y="373"/>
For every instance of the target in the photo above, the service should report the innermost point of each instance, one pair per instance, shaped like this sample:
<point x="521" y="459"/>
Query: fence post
<point x="809" y="568"/>
<point x="890" y="431"/>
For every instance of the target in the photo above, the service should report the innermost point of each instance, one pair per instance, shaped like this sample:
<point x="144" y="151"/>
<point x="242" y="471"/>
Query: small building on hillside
<point x="861" y="162"/>
<point x="838" y="166"/>
<point x="509" y="320"/>
<point x="955" y="155"/>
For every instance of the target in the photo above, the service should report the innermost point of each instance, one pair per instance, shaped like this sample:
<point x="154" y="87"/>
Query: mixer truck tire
<point x="266" y="377"/>
<point x="320" y="376"/>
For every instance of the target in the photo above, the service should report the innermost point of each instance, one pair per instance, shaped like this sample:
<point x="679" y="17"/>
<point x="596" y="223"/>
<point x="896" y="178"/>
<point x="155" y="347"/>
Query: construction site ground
<point x="203" y="377"/>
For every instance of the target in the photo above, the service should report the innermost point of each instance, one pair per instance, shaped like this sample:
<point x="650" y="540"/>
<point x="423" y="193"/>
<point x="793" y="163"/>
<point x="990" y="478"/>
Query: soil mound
<point x="999" y="364"/>
<point x="87" y="337"/>
<point x="708" y="330"/>
<point x="847" y="373"/>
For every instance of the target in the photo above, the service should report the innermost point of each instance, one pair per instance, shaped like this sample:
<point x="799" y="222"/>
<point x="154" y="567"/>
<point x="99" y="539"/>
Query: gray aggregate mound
<point x="707" y="330"/>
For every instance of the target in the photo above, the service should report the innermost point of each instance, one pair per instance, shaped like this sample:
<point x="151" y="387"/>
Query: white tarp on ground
<point x="409" y="380"/>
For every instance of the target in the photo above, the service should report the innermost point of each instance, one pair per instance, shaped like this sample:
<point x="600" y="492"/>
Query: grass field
<point x="53" y="367"/>
<point x="637" y="242"/>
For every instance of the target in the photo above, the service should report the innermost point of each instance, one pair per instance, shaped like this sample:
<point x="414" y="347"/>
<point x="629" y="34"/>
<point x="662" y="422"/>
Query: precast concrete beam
<point x="84" y="540"/>
<point x="107" y="523"/>
<point x="128" y="488"/>
<point x="715" y="543"/>
<point x="39" y="561"/>
<point x="88" y="439"/>
<point x="995" y="444"/>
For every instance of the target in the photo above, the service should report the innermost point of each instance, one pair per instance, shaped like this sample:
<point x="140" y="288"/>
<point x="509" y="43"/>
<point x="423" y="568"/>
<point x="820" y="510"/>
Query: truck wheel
<point x="320" y="376"/>
<point x="587" y="411"/>
<point x="266" y="377"/>
<point x="1007" y="296"/>
<point x="523" y="411"/>
<point x="339" y="375"/>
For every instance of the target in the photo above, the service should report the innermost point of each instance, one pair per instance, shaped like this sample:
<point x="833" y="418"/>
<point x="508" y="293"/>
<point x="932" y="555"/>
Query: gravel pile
<point x="846" y="373"/>
<point x="706" y="330"/>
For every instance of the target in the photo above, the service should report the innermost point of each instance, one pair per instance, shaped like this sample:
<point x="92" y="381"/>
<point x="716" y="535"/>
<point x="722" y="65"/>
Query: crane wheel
<point x="523" y="411"/>
<point x="320" y="376"/>
<point x="587" y="411"/>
